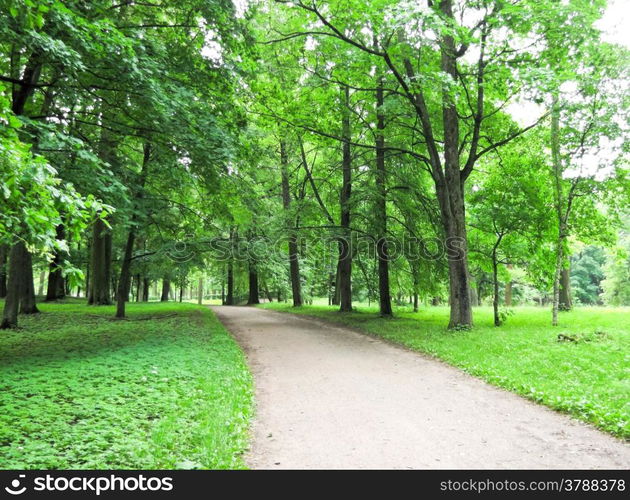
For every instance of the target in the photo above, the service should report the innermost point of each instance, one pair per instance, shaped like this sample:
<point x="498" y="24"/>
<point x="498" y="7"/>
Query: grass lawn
<point x="588" y="378"/>
<point x="166" y="388"/>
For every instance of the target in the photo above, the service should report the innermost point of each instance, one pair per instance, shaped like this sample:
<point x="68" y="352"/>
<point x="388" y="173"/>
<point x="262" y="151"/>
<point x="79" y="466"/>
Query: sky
<point x="615" y="27"/>
<point x="615" y="23"/>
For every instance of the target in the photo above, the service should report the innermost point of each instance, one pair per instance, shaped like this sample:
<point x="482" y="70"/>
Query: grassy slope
<point x="167" y="388"/>
<point x="588" y="379"/>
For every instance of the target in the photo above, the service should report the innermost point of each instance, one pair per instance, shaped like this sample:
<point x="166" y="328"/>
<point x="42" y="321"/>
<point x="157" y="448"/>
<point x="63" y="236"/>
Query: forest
<point x="388" y="157"/>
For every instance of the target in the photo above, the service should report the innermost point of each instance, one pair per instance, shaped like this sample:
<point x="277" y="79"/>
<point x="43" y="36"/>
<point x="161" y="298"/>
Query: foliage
<point x="587" y="274"/>
<point x="33" y="196"/>
<point x="616" y="285"/>
<point x="167" y="388"/>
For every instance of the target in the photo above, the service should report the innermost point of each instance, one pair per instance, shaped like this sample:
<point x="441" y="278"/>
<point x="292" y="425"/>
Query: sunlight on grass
<point x="587" y="376"/>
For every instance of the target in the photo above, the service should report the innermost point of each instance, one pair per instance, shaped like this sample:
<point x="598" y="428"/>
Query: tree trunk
<point x="508" y="294"/>
<point x="495" y="295"/>
<point x="42" y="281"/>
<point x="146" y="284"/>
<point x="336" y="296"/>
<point x="100" y="264"/>
<point x="564" y="299"/>
<point x="20" y="293"/>
<point x="125" y="276"/>
<point x="453" y="219"/>
<point x="557" y="172"/>
<point x="473" y="296"/>
<point x="229" y="299"/>
<point x="345" y="242"/>
<point x="253" y="285"/>
<point x="125" y="268"/>
<point x="294" y="262"/>
<point x="181" y="293"/>
<point x="200" y="291"/>
<point x="385" y="302"/>
<point x="20" y="288"/>
<point x="450" y="192"/>
<point x="14" y="286"/>
<point x="27" y="299"/>
<point x="166" y="289"/>
<point x="55" y="289"/>
<point x="30" y="77"/>
<point x="4" y="254"/>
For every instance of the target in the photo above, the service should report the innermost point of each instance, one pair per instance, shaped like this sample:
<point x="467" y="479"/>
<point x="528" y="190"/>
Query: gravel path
<point x="328" y="397"/>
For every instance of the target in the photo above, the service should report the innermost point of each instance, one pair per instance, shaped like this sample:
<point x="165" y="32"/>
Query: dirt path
<point x="328" y="397"/>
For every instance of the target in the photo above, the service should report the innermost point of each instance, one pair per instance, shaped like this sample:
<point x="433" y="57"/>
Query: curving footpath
<point x="329" y="397"/>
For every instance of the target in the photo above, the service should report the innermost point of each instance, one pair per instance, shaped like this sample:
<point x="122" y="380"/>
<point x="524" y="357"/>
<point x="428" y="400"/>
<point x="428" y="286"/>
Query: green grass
<point x="166" y="388"/>
<point x="588" y="378"/>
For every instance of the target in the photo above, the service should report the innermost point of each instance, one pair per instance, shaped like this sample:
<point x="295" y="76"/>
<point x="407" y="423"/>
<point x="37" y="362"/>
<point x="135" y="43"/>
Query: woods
<point x="402" y="153"/>
<point x="231" y="227"/>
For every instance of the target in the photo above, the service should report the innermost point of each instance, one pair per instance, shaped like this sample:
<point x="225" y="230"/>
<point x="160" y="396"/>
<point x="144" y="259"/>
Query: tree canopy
<point x="348" y="150"/>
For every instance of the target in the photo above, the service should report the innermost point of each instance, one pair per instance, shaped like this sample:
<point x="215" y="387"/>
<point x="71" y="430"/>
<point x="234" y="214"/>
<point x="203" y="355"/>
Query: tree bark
<point x="26" y="288"/>
<point x="557" y="172"/>
<point x="564" y="299"/>
<point x="4" y="254"/>
<point x="100" y="264"/>
<point x="125" y="268"/>
<point x="146" y="284"/>
<point x="166" y="289"/>
<point x="125" y="275"/>
<point x="495" y="279"/>
<point x="495" y="295"/>
<point x="450" y="191"/>
<point x="55" y="289"/>
<point x="14" y="285"/>
<point x="27" y="299"/>
<point x="336" y="295"/>
<point x="229" y="299"/>
<point x="253" y="284"/>
<point x="385" y="302"/>
<point x="20" y="288"/>
<point x="294" y="262"/>
<point x="345" y="241"/>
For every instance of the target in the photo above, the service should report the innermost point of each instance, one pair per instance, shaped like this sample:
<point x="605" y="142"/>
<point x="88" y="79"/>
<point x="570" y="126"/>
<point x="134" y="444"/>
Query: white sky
<point x="615" y="27"/>
<point x="615" y="23"/>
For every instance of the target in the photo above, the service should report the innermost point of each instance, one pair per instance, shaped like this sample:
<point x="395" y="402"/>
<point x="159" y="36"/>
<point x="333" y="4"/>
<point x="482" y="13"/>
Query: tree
<point x="33" y="200"/>
<point x="460" y="118"/>
<point x="510" y="210"/>
<point x="587" y="274"/>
